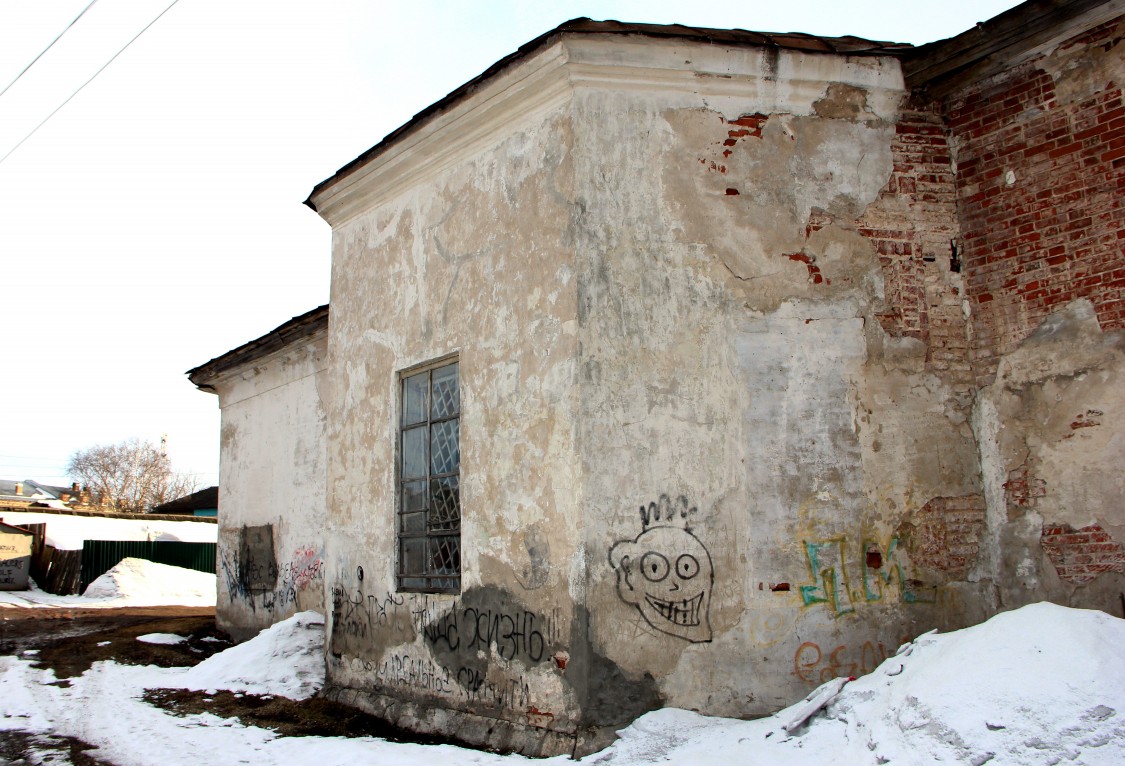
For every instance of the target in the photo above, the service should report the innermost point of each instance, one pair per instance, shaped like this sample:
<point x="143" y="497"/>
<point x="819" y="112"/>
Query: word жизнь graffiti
<point x="517" y="633"/>
<point x="513" y="634"/>
<point x="882" y="572"/>
<point x="666" y="572"/>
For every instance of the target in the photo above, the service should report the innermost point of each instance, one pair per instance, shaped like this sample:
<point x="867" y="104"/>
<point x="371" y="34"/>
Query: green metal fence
<point x="99" y="556"/>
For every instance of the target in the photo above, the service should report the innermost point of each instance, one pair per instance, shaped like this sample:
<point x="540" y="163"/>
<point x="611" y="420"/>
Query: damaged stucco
<point x="686" y="476"/>
<point x="1051" y="451"/>
<point x="721" y="434"/>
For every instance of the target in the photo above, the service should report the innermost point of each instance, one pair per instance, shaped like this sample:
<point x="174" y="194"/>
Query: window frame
<point x="429" y="580"/>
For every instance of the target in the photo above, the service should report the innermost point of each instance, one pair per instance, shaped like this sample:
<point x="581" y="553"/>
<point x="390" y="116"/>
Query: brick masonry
<point x="913" y="229"/>
<point x="1080" y="555"/>
<point x="1040" y="176"/>
<point x="945" y="534"/>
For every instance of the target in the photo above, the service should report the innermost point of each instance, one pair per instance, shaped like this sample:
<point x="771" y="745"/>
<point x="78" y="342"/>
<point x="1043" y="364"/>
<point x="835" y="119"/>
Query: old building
<point x="673" y="366"/>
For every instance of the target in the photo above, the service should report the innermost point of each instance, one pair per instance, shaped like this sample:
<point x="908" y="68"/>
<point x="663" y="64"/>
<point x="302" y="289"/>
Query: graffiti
<point x="247" y="569"/>
<point x="424" y="675"/>
<point x="883" y="576"/>
<point x="303" y="570"/>
<point x="826" y="561"/>
<point x="10" y="570"/>
<point x="513" y="634"/>
<point x="355" y="615"/>
<point x="666" y="572"/>
<point x="402" y="671"/>
<point x="516" y="633"/>
<point x="813" y="666"/>
<point x="460" y="647"/>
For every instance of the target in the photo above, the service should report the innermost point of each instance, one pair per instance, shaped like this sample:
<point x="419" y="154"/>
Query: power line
<point x="29" y="66"/>
<point x="83" y="85"/>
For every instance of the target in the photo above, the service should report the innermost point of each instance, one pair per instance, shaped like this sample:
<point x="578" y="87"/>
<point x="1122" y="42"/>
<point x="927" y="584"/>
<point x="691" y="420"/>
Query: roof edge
<point x="1007" y="39"/>
<point x="848" y="45"/>
<point x="295" y="329"/>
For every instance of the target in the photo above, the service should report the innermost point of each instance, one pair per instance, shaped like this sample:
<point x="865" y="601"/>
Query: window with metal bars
<point x="429" y="506"/>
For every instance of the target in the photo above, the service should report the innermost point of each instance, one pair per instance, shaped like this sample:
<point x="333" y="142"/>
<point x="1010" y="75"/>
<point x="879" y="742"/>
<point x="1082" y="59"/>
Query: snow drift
<point x="137" y="582"/>
<point x="286" y="659"/>
<point x="1039" y="685"/>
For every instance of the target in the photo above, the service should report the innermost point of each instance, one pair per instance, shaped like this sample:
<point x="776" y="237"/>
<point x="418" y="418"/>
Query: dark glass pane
<point x="414" y="398"/>
<point x="413" y="583"/>
<point x="445" y="504"/>
<point x="413" y="556"/>
<point x="414" y="496"/>
<point x="414" y="462"/>
<point x="445" y="447"/>
<point x="446" y="555"/>
<point x="414" y="522"/>
<point x="446" y="399"/>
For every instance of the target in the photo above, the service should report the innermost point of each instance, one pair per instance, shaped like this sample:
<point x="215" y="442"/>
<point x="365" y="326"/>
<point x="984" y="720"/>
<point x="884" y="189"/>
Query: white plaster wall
<point x="475" y="262"/>
<point x="272" y="472"/>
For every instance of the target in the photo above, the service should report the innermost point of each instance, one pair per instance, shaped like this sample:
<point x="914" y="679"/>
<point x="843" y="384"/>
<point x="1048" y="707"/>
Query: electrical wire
<point x="83" y="85"/>
<point x="29" y="66"/>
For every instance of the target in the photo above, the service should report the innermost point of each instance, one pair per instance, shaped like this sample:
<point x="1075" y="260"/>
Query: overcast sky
<point x="155" y="221"/>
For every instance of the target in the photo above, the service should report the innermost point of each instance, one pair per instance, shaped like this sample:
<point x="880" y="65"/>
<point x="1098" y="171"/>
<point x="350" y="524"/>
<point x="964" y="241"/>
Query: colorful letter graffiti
<point x="883" y="576"/>
<point x="666" y="572"/>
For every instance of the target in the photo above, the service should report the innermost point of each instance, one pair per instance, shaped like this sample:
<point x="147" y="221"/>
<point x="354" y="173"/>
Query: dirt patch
<point x="314" y="717"/>
<point x="69" y="641"/>
<point x="19" y="748"/>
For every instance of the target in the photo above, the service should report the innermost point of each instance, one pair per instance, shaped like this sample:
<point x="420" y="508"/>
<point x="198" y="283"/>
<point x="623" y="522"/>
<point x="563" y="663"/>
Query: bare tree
<point x="131" y="476"/>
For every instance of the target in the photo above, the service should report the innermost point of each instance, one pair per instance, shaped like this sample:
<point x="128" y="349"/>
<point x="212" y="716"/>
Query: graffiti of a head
<point x="666" y="574"/>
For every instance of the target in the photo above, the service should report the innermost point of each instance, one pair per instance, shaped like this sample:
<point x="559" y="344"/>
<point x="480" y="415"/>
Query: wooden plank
<point x="944" y="66"/>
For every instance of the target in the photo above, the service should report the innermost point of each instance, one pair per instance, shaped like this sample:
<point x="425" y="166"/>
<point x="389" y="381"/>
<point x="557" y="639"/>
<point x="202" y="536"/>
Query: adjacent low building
<point x="271" y="474"/>
<point x="689" y="367"/>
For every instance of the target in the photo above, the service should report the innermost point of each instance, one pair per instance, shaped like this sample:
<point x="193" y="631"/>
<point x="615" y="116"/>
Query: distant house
<point x="689" y="367"/>
<point x="30" y="492"/>
<point x="205" y="502"/>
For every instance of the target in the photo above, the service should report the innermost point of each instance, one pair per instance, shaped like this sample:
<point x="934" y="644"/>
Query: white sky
<point x="155" y="221"/>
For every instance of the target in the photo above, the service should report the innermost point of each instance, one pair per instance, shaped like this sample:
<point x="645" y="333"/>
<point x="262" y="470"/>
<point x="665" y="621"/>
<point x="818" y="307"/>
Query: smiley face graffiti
<point x="666" y="574"/>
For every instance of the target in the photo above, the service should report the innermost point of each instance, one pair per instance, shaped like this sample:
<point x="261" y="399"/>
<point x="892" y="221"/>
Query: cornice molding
<point x="518" y="97"/>
<point x="718" y="76"/>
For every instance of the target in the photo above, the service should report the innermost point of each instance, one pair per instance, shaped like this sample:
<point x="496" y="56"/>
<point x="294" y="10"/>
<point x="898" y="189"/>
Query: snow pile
<point x="1040" y="685"/>
<point x="286" y="659"/>
<point x="137" y="582"/>
<point x="167" y="639"/>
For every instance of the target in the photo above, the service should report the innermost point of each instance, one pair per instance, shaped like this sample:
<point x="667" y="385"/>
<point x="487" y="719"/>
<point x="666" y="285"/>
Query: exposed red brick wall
<point x="1039" y="181"/>
<point x="945" y="534"/>
<point x="913" y="226"/>
<point x="1080" y="555"/>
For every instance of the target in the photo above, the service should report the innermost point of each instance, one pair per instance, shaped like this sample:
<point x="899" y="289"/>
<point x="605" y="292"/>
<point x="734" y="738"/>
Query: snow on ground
<point x="68" y="532"/>
<point x="1040" y="685"/>
<point x="286" y="659"/>
<point x="132" y="582"/>
<point x="168" y="639"/>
